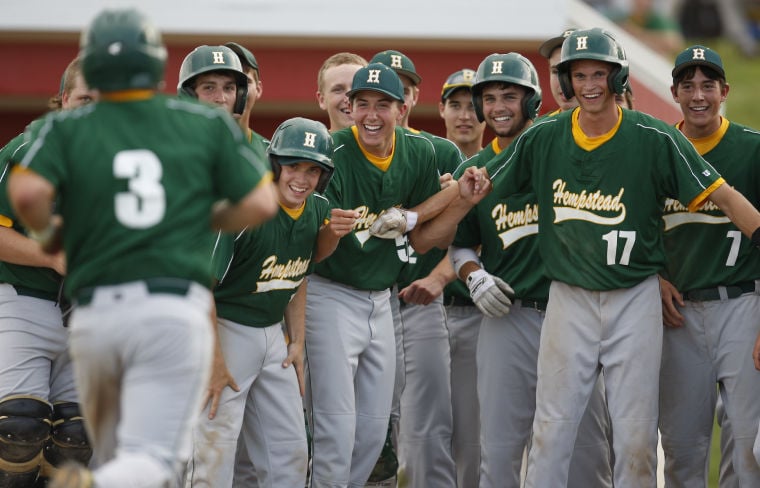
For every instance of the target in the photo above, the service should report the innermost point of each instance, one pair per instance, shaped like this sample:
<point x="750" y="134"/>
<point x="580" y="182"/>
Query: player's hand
<point x="446" y="180"/>
<point x="392" y="223"/>
<point x="295" y="357"/>
<point x="58" y="263"/>
<point x="422" y="291"/>
<point x="490" y="293"/>
<point x="669" y="294"/>
<point x="342" y="221"/>
<point x="51" y="238"/>
<point x="474" y="185"/>
<point x="220" y="379"/>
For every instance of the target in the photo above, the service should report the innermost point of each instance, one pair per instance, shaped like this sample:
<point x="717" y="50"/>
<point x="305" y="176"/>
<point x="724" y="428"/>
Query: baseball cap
<point x="551" y="44"/>
<point x="459" y="79"/>
<point x="377" y="77"/>
<point x="399" y="62"/>
<point x="246" y="56"/>
<point x="698" y="56"/>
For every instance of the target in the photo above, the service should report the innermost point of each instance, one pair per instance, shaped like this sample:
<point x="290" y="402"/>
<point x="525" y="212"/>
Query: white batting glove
<point x="393" y="223"/>
<point x="490" y="293"/>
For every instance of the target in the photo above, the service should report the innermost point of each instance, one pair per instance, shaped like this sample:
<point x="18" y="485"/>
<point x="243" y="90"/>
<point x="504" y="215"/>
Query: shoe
<point x="71" y="475"/>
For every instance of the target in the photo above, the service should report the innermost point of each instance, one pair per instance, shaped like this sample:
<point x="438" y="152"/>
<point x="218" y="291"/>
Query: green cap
<point x="550" y="45"/>
<point x="246" y="56"/>
<point x="380" y="78"/>
<point x="400" y="63"/>
<point x="459" y="79"/>
<point x="698" y="56"/>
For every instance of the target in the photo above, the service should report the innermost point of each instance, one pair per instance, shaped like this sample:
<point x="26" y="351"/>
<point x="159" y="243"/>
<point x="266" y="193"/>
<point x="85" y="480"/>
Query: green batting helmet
<point x="299" y="139"/>
<point x="120" y="50"/>
<point x="204" y="59"/>
<point x="597" y="44"/>
<point x="508" y="68"/>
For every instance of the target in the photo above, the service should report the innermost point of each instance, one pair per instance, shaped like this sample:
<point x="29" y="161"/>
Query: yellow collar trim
<point x="591" y="143"/>
<point x="381" y="163"/>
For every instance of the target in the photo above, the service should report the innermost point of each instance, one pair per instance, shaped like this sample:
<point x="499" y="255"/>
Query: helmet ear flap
<point x="324" y="179"/>
<point x="276" y="168"/>
<point x="241" y="96"/>
<point x="618" y="79"/>
<point x="563" y="75"/>
<point x="477" y="103"/>
<point x="531" y="104"/>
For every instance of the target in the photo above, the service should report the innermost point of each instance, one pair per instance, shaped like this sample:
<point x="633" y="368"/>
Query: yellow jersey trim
<point x="293" y="213"/>
<point x="697" y="203"/>
<point x="380" y="163"/>
<point x="127" y="95"/>
<point x="5" y="221"/>
<point x="706" y="144"/>
<point x="591" y="143"/>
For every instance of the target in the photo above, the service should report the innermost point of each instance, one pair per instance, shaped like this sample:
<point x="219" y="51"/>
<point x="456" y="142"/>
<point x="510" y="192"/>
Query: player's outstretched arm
<point x="738" y="209"/>
<point x="258" y="206"/>
<point x="341" y="222"/>
<point x="295" y="325"/>
<point x="671" y="317"/>
<point x="439" y="232"/>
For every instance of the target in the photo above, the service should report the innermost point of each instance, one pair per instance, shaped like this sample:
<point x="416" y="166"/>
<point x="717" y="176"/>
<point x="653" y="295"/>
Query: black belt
<point x="539" y="305"/>
<point x="169" y="286"/>
<point x="457" y="301"/>
<point x="31" y="292"/>
<point x="708" y="294"/>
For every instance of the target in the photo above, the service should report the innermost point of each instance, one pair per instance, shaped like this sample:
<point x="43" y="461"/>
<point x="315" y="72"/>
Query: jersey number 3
<point x="144" y="204"/>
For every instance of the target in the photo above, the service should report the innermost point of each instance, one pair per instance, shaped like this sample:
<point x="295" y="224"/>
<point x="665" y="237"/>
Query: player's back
<point x="146" y="172"/>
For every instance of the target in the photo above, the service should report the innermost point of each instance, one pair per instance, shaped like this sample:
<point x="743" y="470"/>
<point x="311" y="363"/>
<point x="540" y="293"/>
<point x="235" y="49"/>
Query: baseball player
<point x="36" y="378"/>
<point x="349" y="330"/>
<point x="261" y="285"/>
<point x="333" y="82"/>
<point x="510" y="289"/>
<point x="710" y="310"/>
<point x="600" y="240"/>
<point x="551" y="50"/>
<point x="138" y="268"/>
<point x="422" y="394"/>
<point x="255" y="90"/>
<point x="458" y="113"/>
<point x="462" y="317"/>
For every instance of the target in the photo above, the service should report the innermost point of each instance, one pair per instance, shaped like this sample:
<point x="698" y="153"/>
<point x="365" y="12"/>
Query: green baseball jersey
<point x="260" y="269"/>
<point x="506" y="228"/>
<point x="448" y="157"/>
<point x="601" y="207"/>
<point x="260" y="144"/>
<point x="136" y="181"/>
<point x="44" y="280"/>
<point x="705" y="249"/>
<point x="362" y="261"/>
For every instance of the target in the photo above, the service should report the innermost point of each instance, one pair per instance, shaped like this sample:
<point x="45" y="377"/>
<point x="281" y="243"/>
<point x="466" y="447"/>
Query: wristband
<point x="411" y="220"/>
<point x="461" y="255"/>
<point x="756" y="238"/>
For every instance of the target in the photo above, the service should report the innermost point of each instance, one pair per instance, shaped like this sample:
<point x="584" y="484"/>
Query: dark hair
<point x="689" y="72"/>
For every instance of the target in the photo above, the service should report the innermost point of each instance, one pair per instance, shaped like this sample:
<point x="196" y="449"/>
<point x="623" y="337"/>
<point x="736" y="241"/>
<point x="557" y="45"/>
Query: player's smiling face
<point x="502" y="108"/>
<point x="376" y="115"/>
<point x="332" y="98"/>
<point x="217" y="88"/>
<point x="296" y="182"/>
<point x="589" y="80"/>
<point x="700" y="98"/>
<point x="458" y="113"/>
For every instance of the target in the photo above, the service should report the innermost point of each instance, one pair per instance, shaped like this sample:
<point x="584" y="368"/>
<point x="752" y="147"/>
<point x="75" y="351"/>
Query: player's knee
<point x="68" y="440"/>
<point x="24" y="430"/>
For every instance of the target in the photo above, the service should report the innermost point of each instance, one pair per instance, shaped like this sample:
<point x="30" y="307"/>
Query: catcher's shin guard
<point x="24" y="429"/>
